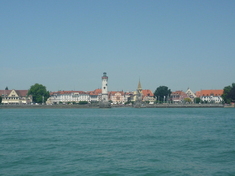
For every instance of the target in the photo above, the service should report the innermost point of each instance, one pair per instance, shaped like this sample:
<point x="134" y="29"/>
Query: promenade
<point x="114" y="106"/>
<point x="185" y="106"/>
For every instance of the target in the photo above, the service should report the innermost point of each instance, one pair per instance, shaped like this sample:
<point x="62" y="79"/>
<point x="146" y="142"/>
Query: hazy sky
<point x="68" y="44"/>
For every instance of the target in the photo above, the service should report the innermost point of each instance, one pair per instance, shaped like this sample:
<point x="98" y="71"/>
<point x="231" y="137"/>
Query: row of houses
<point x="116" y="97"/>
<point x="210" y="96"/>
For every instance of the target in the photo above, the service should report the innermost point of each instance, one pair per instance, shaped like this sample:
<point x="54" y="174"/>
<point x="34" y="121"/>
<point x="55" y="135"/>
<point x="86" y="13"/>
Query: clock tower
<point x="104" y="87"/>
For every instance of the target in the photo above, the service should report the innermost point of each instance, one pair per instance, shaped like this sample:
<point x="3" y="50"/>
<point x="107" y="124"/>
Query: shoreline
<point x="113" y="106"/>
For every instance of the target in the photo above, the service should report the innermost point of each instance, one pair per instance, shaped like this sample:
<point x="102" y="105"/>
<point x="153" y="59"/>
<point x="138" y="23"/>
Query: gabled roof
<point x="189" y="92"/>
<point x="147" y="93"/>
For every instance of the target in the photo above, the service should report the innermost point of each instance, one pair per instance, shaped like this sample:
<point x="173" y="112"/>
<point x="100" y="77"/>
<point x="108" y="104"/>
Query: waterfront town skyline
<point x="117" y="97"/>
<point x="116" y="90"/>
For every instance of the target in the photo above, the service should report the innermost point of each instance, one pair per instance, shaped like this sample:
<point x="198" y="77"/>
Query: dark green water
<point x="117" y="141"/>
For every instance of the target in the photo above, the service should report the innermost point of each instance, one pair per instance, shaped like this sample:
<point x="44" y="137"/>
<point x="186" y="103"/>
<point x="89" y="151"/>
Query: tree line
<point x="229" y="94"/>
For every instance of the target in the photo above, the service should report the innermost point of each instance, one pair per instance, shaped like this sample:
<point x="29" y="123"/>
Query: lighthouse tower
<point x="104" y="87"/>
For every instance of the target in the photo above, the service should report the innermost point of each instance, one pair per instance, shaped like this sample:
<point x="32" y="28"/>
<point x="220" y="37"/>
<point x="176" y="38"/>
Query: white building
<point x="95" y="95"/>
<point x="15" y="97"/>
<point x="68" y="96"/>
<point x="190" y="94"/>
<point x="210" y="96"/>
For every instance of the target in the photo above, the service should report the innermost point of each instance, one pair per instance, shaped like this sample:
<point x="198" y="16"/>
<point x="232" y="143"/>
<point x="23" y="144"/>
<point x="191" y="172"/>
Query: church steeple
<point x="139" y="86"/>
<point x="138" y="96"/>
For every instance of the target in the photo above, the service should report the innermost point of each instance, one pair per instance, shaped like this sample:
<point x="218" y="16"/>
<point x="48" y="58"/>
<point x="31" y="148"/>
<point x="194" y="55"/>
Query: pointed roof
<point x="139" y="86"/>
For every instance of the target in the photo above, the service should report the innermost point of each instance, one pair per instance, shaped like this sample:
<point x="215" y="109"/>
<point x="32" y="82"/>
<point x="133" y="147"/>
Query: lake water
<point x="117" y="141"/>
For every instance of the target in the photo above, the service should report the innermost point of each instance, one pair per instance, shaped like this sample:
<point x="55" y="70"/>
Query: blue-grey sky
<point x="67" y="45"/>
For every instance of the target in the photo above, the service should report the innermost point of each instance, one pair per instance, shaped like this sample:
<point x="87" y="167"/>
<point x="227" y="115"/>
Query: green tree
<point x="187" y="100"/>
<point x="39" y="93"/>
<point x="0" y="99"/>
<point x="6" y="88"/>
<point x="161" y="92"/>
<point x="229" y="94"/>
<point x="197" y="100"/>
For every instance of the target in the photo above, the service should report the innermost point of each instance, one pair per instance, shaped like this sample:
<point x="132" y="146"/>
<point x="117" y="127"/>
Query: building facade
<point x="210" y="96"/>
<point x="68" y="97"/>
<point x="148" y="96"/>
<point x="190" y="94"/>
<point x="15" y="97"/>
<point x="178" y="96"/>
<point x="117" y="97"/>
<point x="95" y="95"/>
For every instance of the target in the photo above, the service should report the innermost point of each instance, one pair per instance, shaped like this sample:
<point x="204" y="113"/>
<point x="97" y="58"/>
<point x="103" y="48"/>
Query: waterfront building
<point x="128" y="96"/>
<point x="117" y="97"/>
<point x="178" y="96"/>
<point x="68" y="97"/>
<point x="148" y="96"/>
<point x="95" y="95"/>
<point x="15" y="97"/>
<point x="190" y="94"/>
<point x="210" y="96"/>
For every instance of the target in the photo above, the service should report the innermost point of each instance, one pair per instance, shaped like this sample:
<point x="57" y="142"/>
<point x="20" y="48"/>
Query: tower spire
<point x="139" y="86"/>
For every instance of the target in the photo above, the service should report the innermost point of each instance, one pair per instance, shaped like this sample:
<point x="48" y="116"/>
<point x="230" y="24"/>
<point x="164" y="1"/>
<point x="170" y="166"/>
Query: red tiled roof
<point x="147" y="93"/>
<point x="114" y="92"/>
<point x="178" y="92"/>
<point x="178" y="95"/>
<point x="5" y="92"/>
<point x="20" y="93"/>
<point x="209" y="93"/>
<point x="95" y="92"/>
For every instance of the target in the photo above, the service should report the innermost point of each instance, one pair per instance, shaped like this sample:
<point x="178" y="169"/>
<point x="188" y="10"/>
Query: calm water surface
<point x="117" y="141"/>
